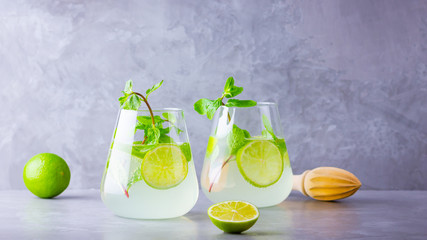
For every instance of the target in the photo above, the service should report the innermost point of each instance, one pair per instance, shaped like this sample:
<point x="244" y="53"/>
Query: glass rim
<point x="259" y="104"/>
<point x="165" y="109"/>
<point x="266" y="104"/>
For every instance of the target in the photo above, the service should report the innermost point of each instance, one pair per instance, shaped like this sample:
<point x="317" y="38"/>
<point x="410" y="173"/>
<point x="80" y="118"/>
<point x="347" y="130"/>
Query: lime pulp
<point x="233" y="216"/>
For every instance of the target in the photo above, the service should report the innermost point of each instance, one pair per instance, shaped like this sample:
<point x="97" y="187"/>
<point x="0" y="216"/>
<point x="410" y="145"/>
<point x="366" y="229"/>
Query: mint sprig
<point x="208" y="107"/>
<point x="237" y="137"/>
<point x="152" y="125"/>
<point x="129" y="100"/>
<point x="153" y="88"/>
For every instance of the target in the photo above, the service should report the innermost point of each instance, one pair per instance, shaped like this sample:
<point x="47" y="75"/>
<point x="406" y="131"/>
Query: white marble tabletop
<point x="80" y="214"/>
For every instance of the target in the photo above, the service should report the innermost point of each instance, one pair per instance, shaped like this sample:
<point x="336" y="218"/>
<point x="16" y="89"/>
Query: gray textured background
<point x="350" y="78"/>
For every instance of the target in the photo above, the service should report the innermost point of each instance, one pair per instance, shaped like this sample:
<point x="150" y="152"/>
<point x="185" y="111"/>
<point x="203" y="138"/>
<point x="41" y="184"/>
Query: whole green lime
<point x="46" y="175"/>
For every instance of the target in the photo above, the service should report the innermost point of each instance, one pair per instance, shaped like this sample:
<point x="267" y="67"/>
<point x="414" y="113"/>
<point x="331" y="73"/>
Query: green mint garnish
<point x="240" y="103"/>
<point x="129" y="100"/>
<point x="230" y="90"/>
<point x="139" y="150"/>
<point x="165" y="139"/>
<point x="145" y="122"/>
<point x="169" y="117"/>
<point x="269" y="133"/>
<point x="185" y="148"/>
<point x="237" y="139"/>
<point x="208" y="107"/>
<point x="172" y="120"/>
<point x="152" y="125"/>
<point x="152" y="136"/>
<point x="280" y="143"/>
<point x="135" y="176"/>
<point x="153" y="88"/>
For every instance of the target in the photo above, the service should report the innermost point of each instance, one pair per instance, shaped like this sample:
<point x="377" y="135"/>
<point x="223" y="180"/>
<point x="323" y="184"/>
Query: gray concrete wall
<point x="350" y="78"/>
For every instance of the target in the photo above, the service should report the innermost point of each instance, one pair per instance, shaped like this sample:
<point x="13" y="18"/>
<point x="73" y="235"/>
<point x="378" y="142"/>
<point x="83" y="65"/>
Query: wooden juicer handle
<point x="326" y="183"/>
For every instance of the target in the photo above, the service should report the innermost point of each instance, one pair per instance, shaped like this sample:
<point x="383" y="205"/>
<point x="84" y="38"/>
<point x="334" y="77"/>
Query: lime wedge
<point x="164" y="167"/>
<point x="260" y="163"/>
<point x="233" y="216"/>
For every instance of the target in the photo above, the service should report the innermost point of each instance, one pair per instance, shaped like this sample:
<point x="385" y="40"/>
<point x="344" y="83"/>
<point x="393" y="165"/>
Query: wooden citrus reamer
<point x="326" y="183"/>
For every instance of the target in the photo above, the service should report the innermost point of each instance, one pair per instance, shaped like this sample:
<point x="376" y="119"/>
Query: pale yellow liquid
<point x="148" y="203"/>
<point x="229" y="184"/>
<point x="145" y="202"/>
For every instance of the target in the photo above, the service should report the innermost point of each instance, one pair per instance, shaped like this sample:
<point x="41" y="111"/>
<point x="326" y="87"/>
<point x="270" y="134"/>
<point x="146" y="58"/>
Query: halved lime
<point x="260" y="163"/>
<point x="233" y="216"/>
<point x="164" y="167"/>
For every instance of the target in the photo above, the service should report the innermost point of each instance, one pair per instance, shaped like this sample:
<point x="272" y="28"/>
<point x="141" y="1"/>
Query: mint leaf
<point x="153" y="88"/>
<point x="128" y="87"/>
<point x="237" y="139"/>
<point x="132" y="102"/>
<point x="280" y="143"/>
<point x="207" y="107"/>
<point x="186" y="150"/>
<point x="269" y="133"/>
<point x="165" y="139"/>
<point x="201" y="105"/>
<point x="138" y="154"/>
<point x="142" y="123"/>
<point x="266" y="134"/>
<point x="234" y="91"/>
<point x="129" y="101"/>
<point x="240" y="103"/>
<point x="152" y="136"/>
<point x="135" y="176"/>
<point x="230" y="90"/>
<point x="268" y="127"/>
<point x="212" y="109"/>
<point x="139" y="150"/>
<point x="122" y="99"/>
<point x="170" y="117"/>
<point x="145" y="121"/>
<point x="164" y="130"/>
<point x="229" y="83"/>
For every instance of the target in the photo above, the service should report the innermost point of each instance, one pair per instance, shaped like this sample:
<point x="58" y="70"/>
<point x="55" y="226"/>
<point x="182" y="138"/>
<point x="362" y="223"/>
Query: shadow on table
<point x="261" y="233"/>
<point x="77" y="196"/>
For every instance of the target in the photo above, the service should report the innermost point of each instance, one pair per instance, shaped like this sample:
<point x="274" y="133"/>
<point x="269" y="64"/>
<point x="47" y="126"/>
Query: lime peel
<point x="260" y="162"/>
<point x="233" y="216"/>
<point x="46" y="175"/>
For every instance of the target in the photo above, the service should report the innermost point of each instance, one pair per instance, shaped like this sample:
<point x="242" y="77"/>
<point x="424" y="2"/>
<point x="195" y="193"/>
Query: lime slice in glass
<point x="164" y="167"/>
<point x="260" y="163"/>
<point x="233" y="216"/>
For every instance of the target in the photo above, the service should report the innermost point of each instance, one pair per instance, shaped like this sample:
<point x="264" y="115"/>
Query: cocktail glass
<point x="150" y="180"/>
<point x="246" y="157"/>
